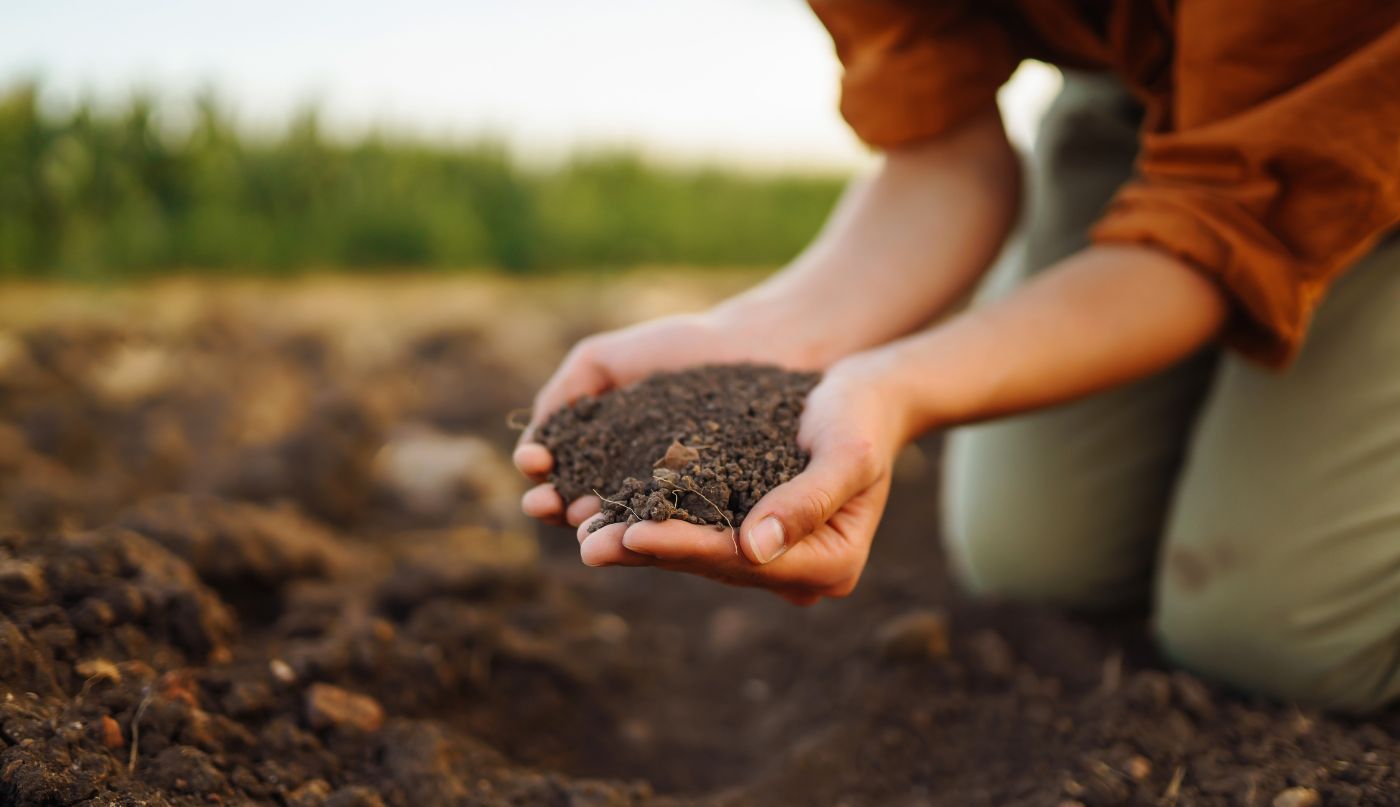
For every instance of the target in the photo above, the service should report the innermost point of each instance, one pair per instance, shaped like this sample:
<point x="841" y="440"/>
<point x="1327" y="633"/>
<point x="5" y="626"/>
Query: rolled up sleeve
<point x="914" y="70"/>
<point x="1276" y="164"/>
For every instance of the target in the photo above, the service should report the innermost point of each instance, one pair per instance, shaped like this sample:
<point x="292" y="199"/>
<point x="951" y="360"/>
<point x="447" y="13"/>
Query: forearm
<point x="1102" y="317"/>
<point x="899" y="249"/>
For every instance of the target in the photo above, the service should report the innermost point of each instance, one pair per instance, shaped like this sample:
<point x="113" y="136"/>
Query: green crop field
<point x="89" y="192"/>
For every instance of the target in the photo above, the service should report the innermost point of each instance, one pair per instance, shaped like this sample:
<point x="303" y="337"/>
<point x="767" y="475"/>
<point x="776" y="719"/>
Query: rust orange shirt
<point x="1270" y="152"/>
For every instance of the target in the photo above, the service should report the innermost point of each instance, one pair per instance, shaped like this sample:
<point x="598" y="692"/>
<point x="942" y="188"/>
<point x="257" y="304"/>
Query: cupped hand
<point x="617" y="358"/>
<point x="808" y="538"/>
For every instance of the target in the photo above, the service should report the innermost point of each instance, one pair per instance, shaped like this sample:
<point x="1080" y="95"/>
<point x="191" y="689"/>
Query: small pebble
<point x="330" y="706"/>
<point x="610" y="628"/>
<point x="99" y="669"/>
<point x="22" y="583"/>
<point x="382" y="630"/>
<point x="313" y="792"/>
<point x="920" y="635"/>
<point x="177" y="685"/>
<point x="1139" y="767"/>
<point x="993" y="655"/>
<point x="1298" y="797"/>
<point x="112" y="733"/>
<point x="282" y="671"/>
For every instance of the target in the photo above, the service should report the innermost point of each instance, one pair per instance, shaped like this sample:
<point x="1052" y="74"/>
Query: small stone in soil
<point x="21" y="583"/>
<point x="282" y="671"/>
<point x="993" y="655"/>
<point x="1139" y="767"/>
<point x="329" y="706"/>
<point x="920" y="635"/>
<point x="313" y="792"/>
<point x="112" y="733"/>
<point x="1298" y="797"/>
<point x="99" y="669"/>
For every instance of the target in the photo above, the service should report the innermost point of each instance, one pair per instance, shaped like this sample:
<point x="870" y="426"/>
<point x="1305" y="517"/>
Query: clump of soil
<point x="702" y="445"/>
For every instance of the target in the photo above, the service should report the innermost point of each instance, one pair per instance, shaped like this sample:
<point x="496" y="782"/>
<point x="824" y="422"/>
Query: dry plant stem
<point x="733" y="533"/>
<point x="1174" y="786"/>
<point x="619" y="504"/>
<point x="514" y="422"/>
<point x="136" y="728"/>
<point x="87" y="687"/>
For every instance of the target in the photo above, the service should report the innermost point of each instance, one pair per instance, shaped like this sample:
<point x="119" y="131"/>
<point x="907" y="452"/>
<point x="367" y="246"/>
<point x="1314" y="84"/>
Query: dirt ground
<point x="260" y="544"/>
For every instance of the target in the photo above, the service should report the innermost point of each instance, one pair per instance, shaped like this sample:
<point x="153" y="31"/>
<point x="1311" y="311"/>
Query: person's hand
<point x="808" y="538"/>
<point x="617" y="358"/>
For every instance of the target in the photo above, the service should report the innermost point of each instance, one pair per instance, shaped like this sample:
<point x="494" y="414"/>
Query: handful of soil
<point x="702" y="445"/>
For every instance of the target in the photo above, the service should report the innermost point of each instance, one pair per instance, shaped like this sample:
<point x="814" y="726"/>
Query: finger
<point x="675" y="540"/>
<point x="586" y="529"/>
<point x="816" y="567"/>
<point x="579" y="374"/>
<point x="604" y="547"/>
<point x="795" y="509"/>
<point x="533" y="460"/>
<point x="702" y="550"/>
<point x="579" y="510"/>
<point x="543" y="502"/>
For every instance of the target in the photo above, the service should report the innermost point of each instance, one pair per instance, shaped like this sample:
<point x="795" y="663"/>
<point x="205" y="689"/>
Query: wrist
<point x="780" y="327"/>
<point x="884" y="377"/>
<point x="924" y="381"/>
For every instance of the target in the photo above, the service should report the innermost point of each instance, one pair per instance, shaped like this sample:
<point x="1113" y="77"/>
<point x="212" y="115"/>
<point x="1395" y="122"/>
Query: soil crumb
<point x="702" y="445"/>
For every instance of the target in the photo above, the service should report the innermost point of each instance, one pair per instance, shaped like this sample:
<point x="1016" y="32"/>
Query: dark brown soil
<point x="702" y="445"/>
<point x="180" y="623"/>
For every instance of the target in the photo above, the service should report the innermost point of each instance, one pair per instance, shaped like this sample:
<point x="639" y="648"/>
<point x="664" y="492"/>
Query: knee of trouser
<point x="1260" y="640"/>
<point x="1026" y="553"/>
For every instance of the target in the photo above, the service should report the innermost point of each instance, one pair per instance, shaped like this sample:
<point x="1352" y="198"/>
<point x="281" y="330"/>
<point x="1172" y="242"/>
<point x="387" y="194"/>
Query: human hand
<point x="808" y="538"/>
<point x="617" y="358"/>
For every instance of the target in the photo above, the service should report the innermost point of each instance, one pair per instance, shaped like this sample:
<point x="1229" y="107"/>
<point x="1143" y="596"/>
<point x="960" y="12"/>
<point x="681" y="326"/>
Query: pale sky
<point x="752" y="81"/>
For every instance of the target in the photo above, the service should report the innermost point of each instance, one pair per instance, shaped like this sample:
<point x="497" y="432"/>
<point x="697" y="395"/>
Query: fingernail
<point x="766" y="542"/>
<point x="582" y="556"/>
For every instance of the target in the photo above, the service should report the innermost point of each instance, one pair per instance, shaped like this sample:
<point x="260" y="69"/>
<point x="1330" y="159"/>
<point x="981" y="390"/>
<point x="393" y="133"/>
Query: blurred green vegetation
<point x="90" y="193"/>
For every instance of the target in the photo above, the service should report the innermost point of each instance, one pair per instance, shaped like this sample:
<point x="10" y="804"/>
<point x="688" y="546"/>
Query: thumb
<point x="583" y="372"/>
<point x="795" y="509"/>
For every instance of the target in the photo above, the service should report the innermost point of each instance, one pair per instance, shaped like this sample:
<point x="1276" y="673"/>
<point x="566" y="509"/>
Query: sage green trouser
<point x="1261" y="507"/>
